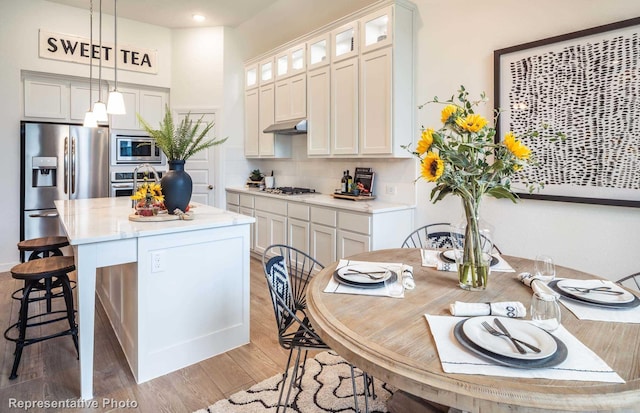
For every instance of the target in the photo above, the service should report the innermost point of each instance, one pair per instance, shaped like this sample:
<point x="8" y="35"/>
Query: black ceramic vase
<point x="176" y="187"/>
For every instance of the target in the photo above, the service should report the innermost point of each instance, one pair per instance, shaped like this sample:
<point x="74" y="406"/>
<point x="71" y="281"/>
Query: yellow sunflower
<point x="519" y="150"/>
<point x="447" y="112"/>
<point x="432" y="167"/>
<point x="472" y="123"/>
<point x="425" y="141"/>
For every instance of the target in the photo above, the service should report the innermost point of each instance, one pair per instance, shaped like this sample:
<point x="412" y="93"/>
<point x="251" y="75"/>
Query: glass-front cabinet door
<point x="282" y="65"/>
<point x="297" y="59"/>
<point x="376" y="30"/>
<point x="319" y="51"/>
<point x="267" y="72"/>
<point x="344" y="42"/>
<point x="251" y="76"/>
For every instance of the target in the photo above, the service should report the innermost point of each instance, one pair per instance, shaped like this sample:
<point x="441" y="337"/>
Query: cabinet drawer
<point x="233" y="208"/>
<point x="246" y="201"/>
<point x="275" y="206"/>
<point x="298" y="211"/>
<point x="354" y="222"/>
<point x="233" y="198"/>
<point x="323" y="216"/>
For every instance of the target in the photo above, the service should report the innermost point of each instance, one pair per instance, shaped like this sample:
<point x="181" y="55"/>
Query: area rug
<point x="326" y="387"/>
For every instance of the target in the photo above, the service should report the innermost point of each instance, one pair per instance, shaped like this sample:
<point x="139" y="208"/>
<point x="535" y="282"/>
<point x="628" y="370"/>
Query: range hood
<point x="289" y="127"/>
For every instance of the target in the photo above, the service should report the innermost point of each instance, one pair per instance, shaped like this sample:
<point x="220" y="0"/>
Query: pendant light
<point x="99" y="108"/>
<point x="89" y="118"/>
<point x="115" y="103"/>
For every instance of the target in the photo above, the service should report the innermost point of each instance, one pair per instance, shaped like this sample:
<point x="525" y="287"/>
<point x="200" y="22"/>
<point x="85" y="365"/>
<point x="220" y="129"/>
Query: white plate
<point x="594" y="296"/>
<point x="347" y="273"/>
<point x="519" y="329"/>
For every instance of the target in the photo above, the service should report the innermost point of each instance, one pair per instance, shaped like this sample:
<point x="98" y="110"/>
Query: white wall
<point x="19" y="25"/>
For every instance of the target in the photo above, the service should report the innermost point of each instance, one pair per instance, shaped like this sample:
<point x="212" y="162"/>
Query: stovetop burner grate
<point x="290" y="190"/>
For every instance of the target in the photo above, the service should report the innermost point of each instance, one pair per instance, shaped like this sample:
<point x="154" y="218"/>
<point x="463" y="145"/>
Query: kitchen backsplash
<point x="394" y="180"/>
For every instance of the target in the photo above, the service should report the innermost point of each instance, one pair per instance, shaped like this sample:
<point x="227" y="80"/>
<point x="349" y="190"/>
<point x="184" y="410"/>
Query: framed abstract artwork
<point x="586" y="85"/>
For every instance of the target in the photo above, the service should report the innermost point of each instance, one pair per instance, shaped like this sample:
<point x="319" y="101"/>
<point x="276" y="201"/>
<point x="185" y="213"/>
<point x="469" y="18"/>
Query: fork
<point x="497" y="333"/>
<point x="371" y="274"/>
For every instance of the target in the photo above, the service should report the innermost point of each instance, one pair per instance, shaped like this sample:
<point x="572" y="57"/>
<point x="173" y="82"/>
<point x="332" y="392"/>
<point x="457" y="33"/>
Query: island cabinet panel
<point x="189" y="308"/>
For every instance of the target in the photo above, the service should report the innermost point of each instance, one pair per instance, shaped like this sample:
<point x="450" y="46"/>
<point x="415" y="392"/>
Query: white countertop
<point x="103" y="219"/>
<point x="372" y="207"/>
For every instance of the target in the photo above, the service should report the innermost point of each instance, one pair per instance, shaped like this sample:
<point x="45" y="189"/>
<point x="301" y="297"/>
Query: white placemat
<point x="581" y="364"/>
<point x="431" y="258"/>
<point x="405" y="274"/>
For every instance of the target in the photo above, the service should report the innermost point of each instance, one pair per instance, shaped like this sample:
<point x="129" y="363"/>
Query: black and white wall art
<point x="586" y="85"/>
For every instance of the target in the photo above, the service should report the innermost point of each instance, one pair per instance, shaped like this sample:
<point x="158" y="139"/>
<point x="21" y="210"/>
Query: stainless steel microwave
<point x="132" y="147"/>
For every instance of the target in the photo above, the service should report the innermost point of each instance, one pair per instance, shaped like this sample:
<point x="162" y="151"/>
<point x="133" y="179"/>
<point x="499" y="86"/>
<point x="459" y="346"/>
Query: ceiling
<point x="179" y="13"/>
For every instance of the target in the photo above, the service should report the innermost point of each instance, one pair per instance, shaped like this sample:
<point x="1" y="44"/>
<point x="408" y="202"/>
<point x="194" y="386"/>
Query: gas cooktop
<point x="289" y="190"/>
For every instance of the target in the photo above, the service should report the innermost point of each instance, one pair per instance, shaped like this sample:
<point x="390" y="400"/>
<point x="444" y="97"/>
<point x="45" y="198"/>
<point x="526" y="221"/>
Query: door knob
<point x="210" y="186"/>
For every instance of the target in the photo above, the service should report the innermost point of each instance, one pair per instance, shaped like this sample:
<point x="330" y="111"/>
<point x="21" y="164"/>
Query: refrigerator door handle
<point x="66" y="164"/>
<point x="73" y="165"/>
<point x="44" y="215"/>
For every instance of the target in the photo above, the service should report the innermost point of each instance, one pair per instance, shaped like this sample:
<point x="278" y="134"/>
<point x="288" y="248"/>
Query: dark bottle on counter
<point x="344" y="183"/>
<point x="349" y="181"/>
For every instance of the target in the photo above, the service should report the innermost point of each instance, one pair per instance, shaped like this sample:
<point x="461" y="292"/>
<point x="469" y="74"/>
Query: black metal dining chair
<point x="631" y="281"/>
<point x="436" y="235"/>
<point x="288" y="272"/>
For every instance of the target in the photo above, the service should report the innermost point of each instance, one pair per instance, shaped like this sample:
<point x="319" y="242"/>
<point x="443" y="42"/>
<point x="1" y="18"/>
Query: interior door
<point x="201" y="166"/>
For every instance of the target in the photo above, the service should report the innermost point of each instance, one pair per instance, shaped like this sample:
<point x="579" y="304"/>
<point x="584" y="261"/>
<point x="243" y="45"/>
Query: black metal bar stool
<point x="41" y="248"/>
<point x="33" y="273"/>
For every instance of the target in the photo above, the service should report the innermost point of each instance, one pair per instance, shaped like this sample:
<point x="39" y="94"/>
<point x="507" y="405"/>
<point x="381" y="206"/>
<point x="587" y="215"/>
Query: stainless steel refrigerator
<point x="59" y="161"/>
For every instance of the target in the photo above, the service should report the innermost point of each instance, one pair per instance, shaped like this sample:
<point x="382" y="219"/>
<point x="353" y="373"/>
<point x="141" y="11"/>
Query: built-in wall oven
<point x="128" y="150"/>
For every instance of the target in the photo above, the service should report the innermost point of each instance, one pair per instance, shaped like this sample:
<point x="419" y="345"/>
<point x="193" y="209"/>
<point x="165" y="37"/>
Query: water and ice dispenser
<point x="43" y="171"/>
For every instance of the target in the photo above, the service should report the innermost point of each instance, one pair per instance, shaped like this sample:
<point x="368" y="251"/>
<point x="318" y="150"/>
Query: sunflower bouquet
<point x="462" y="158"/>
<point x="149" y="197"/>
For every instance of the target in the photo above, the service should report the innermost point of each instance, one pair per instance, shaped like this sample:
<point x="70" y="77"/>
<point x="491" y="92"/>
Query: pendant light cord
<point x="115" y="42"/>
<point x="100" y="67"/>
<point x="90" y="53"/>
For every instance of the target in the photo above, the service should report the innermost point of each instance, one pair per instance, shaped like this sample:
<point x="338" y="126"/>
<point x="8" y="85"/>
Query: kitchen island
<point x="176" y="292"/>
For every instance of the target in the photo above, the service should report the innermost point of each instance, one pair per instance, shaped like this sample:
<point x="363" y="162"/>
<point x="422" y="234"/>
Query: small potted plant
<point x="256" y="176"/>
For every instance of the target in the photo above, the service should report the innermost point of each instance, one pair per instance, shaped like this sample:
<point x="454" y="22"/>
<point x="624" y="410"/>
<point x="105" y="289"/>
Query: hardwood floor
<point x="49" y="370"/>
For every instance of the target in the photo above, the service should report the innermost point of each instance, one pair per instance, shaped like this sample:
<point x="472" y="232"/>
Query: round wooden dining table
<point x="390" y="339"/>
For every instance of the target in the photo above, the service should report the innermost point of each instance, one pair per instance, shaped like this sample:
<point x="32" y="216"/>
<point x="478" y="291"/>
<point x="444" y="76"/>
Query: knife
<point x="506" y="332"/>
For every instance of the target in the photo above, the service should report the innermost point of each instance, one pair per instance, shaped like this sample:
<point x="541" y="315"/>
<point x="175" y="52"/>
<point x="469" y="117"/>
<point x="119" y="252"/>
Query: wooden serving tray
<point x="159" y="218"/>
<point x="353" y="197"/>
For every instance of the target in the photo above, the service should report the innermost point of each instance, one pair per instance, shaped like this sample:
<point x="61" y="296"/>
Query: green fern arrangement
<point x="182" y="142"/>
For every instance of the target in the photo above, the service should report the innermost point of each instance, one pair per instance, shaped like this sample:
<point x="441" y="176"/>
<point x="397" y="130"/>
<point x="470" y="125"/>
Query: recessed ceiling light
<point x="198" y="17"/>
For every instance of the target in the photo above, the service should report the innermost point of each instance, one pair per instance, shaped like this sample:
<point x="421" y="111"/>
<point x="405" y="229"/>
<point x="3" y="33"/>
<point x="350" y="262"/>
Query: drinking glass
<point x="394" y="286"/>
<point x="545" y="311"/>
<point x="544" y="269"/>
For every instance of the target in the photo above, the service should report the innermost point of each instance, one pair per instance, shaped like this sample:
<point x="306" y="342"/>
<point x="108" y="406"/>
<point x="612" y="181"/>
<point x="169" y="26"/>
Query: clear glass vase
<point x="472" y="244"/>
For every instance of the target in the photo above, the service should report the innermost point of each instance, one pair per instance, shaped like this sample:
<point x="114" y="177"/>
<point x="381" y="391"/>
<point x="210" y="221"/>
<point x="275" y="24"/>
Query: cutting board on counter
<point x="354" y="197"/>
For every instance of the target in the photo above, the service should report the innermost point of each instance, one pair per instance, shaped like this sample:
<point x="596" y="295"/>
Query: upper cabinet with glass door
<point x="291" y="62"/>
<point x="344" y="42"/>
<point x="319" y="53"/>
<point x="267" y="71"/>
<point x="251" y="76"/>
<point x="376" y="30"/>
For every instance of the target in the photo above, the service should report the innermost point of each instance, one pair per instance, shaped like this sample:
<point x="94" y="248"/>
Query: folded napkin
<point x="431" y="258"/>
<point x="581" y="364"/>
<point x="586" y="311"/>
<point x="505" y="308"/>
<point x="405" y="276"/>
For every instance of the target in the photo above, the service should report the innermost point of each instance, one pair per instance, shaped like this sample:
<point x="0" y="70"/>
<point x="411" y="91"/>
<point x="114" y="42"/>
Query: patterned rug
<point x="326" y="387"/>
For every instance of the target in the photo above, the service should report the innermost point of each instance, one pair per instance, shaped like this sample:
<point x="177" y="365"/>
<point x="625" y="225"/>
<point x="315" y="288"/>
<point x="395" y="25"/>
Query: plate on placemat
<point x="448" y="256"/>
<point x="558" y="357"/>
<point x="501" y="345"/>
<point x="363" y="281"/>
<point x="612" y="302"/>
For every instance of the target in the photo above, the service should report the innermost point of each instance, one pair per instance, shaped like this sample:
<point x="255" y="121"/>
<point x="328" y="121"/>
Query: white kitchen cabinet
<point x="298" y="234"/>
<point x="344" y="107"/>
<point x="322" y="243"/>
<point x="271" y="223"/>
<point x="344" y="42"/>
<point x="319" y="111"/>
<point x="376" y="30"/>
<point x="249" y="212"/>
<point x="266" y="116"/>
<point x="266" y="70"/>
<point x="233" y="208"/>
<point x="148" y="102"/>
<point x="251" y="123"/>
<point x="351" y="243"/>
<point x="319" y="51"/>
<point x="251" y="76"/>
<point x="291" y="62"/>
<point x="291" y="98"/>
<point x="79" y="99"/>
<point x="46" y="98"/>
<point x="376" y="117"/>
